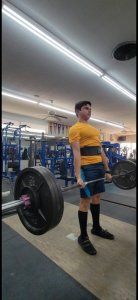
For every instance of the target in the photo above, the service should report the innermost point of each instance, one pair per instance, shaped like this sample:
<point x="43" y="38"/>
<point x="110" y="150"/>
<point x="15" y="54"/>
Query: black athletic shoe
<point x="102" y="233"/>
<point x="86" y="245"/>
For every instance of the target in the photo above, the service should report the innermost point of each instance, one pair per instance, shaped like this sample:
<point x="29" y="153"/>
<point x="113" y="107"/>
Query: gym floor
<point x="53" y="266"/>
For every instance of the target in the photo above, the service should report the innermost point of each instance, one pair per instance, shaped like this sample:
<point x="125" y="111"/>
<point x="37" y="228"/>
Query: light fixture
<point x="119" y="87"/>
<point x="107" y="123"/>
<point x="18" y="97"/>
<point x="124" y="51"/>
<point x="72" y="113"/>
<point x="98" y="120"/>
<point x="114" y="124"/>
<point x="57" y="108"/>
<point x="48" y="39"/>
<point x="33" y="130"/>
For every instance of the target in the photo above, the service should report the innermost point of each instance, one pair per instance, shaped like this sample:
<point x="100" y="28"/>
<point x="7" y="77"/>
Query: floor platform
<point x="110" y="275"/>
<point x="29" y="274"/>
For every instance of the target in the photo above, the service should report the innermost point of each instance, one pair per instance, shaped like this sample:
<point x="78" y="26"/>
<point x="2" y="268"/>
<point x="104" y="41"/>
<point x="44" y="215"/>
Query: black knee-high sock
<point x="95" y="210"/>
<point x="83" y="223"/>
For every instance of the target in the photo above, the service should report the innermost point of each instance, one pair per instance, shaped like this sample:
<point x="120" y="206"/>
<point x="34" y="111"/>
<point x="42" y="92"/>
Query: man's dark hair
<point x="79" y="105"/>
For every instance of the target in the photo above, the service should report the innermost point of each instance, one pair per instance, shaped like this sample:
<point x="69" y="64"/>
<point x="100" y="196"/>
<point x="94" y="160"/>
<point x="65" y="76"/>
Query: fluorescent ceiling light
<point x="48" y="39"/>
<point x="98" y="120"/>
<point x="18" y="97"/>
<point x="119" y="87"/>
<point x="107" y="123"/>
<point x="57" y="108"/>
<point x="72" y="113"/>
<point x="33" y="130"/>
<point x="114" y="124"/>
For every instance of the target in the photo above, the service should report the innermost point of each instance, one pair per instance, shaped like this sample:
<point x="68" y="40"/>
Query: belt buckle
<point x="99" y="151"/>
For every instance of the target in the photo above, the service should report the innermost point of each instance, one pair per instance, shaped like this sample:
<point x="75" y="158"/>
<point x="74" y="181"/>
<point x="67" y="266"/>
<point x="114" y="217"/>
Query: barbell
<point x="39" y="198"/>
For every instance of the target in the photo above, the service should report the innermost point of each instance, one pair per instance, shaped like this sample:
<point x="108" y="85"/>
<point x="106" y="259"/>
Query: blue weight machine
<point x="113" y="152"/>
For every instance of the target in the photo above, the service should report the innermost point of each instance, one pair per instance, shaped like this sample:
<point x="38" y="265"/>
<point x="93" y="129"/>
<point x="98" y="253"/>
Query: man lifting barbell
<point x="90" y="163"/>
<point x="39" y="198"/>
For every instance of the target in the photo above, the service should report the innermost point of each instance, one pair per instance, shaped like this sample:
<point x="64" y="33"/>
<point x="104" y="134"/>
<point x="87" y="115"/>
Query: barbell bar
<point x="16" y="203"/>
<point x="12" y="204"/>
<point x="40" y="206"/>
<point x="74" y="186"/>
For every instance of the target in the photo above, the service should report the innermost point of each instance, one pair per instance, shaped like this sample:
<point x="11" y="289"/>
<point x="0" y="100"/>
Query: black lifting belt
<point x="90" y="150"/>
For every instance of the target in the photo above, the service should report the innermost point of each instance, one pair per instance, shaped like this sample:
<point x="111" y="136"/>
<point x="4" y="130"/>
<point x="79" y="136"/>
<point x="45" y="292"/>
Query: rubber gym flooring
<point x="53" y="266"/>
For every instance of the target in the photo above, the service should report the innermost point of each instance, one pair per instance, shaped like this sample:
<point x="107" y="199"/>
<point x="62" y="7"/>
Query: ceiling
<point x="91" y="28"/>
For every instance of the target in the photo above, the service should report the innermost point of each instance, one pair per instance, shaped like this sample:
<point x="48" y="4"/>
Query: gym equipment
<point x="5" y="194"/>
<point x="41" y="203"/>
<point x="112" y="151"/>
<point x="66" y="170"/>
<point x="11" y="146"/>
<point x="31" y="149"/>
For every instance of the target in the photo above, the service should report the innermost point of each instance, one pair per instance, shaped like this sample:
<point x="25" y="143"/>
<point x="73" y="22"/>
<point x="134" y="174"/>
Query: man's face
<point x="85" y="112"/>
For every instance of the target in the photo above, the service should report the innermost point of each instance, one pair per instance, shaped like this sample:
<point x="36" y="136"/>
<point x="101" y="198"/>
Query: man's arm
<point x="104" y="160"/>
<point x="77" y="162"/>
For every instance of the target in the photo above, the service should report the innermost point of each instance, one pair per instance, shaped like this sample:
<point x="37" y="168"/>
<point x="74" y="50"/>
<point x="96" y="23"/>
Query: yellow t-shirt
<point x="86" y="135"/>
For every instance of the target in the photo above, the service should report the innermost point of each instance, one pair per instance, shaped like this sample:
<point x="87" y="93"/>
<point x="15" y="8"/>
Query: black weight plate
<point x="56" y="204"/>
<point x="30" y="218"/>
<point x="128" y="181"/>
<point x="50" y="200"/>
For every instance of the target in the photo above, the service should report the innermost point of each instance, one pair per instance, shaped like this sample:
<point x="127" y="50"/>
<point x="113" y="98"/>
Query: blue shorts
<point x="92" y="172"/>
